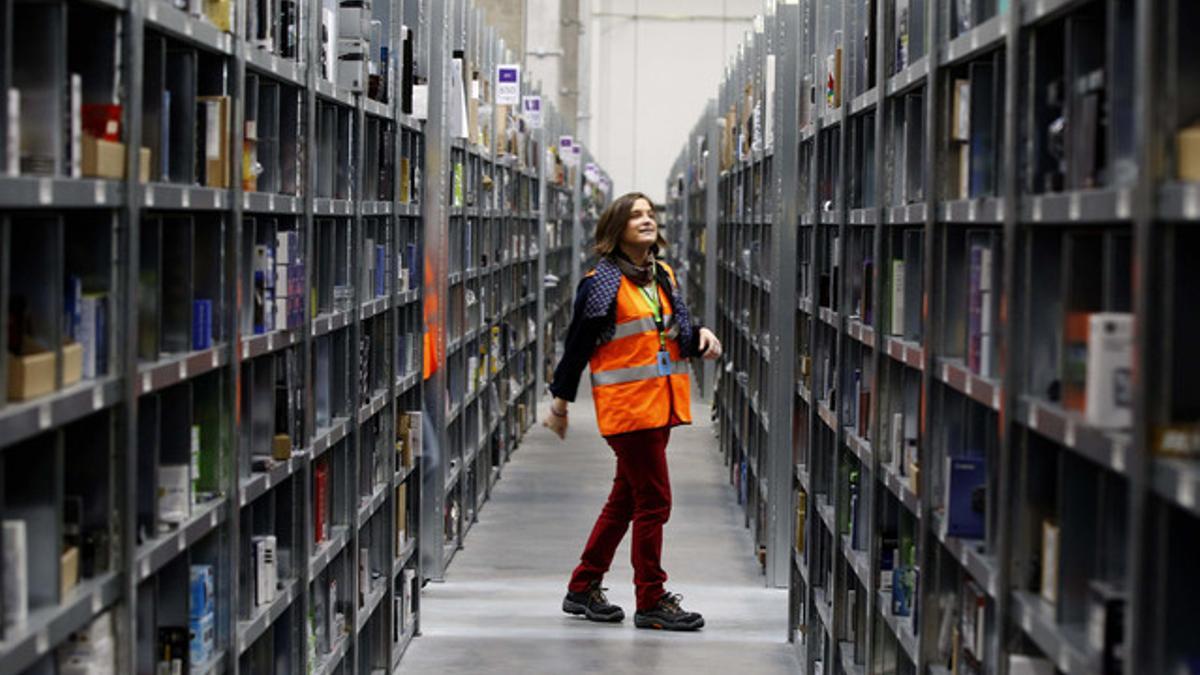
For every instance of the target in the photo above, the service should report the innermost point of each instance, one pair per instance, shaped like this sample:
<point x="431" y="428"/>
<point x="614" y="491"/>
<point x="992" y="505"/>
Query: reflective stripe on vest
<point x="635" y="374"/>
<point x="643" y="325"/>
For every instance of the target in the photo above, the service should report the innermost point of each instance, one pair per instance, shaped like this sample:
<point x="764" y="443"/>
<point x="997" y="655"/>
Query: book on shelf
<point x="902" y="20"/>
<point x="973" y="619"/>
<point x="1074" y="360"/>
<point x="1106" y="606"/>
<point x="322" y="502"/>
<point x="959" y="160"/>
<point x="364" y="575"/>
<point x="15" y="554"/>
<point x="92" y="333"/>
<point x="965" y="497"/>
<point x="897" y="297"/>
<point x="401" y="516"/>
<point x="202" y="324"/>
<point x="980" y="305"/>
<point x="73" y="134"/>
<point x="1049" y="561"/>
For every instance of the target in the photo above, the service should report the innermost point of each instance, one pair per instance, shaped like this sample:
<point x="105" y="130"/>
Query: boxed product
<point x="102" y="158"/>
<point x="202" y="634"/>
<point x="202" y="584"/>
<point x="31" y="371"/>
<point x="68" y="570"/>
<point x="1108" y="401"/>
<point x="964" y="499"/>
<point x="352" y="64"/>
<point x="174" y="498"/>
<point x="1188" y="153"/>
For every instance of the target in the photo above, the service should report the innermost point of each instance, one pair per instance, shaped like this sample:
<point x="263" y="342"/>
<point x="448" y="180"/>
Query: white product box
<point x="1109" y="370"/>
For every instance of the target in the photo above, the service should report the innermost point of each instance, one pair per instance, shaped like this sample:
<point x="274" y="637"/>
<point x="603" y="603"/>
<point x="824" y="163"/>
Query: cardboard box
<point x="220" y="13"/>
<point x="1188" y="153"/>
<point x="69" y="568"/>
<point x="281" y="447"/>
<point x="102" y="158"/>
<point x="216" y="140"/>
<point x="31" y="373"/>
<point x="144" y="165"/>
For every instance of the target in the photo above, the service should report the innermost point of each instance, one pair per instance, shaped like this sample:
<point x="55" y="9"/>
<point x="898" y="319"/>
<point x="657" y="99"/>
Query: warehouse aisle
<point x="499" y="609"/>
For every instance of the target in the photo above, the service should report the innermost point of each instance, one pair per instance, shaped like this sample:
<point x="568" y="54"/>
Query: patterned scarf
<point x="606" y="283"/>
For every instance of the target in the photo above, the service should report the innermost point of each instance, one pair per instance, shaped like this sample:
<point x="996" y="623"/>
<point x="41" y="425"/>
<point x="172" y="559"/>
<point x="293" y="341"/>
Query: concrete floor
<point x="499" y="610"/>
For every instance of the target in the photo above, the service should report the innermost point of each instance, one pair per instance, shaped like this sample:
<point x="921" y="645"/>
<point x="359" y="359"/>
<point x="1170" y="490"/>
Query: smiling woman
<point x="631" y="326"/>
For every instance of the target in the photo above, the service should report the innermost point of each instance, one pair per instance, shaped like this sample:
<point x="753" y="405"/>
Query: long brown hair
<point x="612" y="224"/>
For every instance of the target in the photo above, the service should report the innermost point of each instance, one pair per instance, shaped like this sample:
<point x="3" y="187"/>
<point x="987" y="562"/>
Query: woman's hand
<point x="710" y="346"/>
<point x="556" y="421"/>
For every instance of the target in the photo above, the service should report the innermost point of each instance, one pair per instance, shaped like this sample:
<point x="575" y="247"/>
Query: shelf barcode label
<point x="183" y="369"/>
<point x="99" y="193"/>
<point x="1074" y="207"/>
<point x="45" y="191"/>
<point x="185" y="198"/>
<point x="44" y="416"/>
<point x="1191" y="203"/>
<point x="42" y="642"/>
<point x="148" y="197"/>
<point x="97" y="398"/>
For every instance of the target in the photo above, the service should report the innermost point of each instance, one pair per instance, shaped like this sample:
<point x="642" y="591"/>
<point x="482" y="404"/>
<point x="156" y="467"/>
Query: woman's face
<point x="641" y="230"/>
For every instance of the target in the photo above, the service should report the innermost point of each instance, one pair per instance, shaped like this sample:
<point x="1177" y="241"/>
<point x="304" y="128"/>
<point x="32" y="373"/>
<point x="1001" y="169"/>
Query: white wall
<point x="651" y="78"/>
<point x="543" y="34"/>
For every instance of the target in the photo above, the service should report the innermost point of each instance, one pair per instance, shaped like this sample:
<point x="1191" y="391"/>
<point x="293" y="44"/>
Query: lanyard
<point x="656" y="309"/>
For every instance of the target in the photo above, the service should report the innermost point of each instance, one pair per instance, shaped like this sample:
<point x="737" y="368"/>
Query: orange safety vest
<point x="629" y="389"/>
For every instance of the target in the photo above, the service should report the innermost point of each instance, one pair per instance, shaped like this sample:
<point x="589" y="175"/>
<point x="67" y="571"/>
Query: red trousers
<point x="641" y="494"/>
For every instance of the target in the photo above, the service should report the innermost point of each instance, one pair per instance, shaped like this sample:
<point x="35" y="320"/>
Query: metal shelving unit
<point x="966" y="185"/>
<point x="297" y="413"/>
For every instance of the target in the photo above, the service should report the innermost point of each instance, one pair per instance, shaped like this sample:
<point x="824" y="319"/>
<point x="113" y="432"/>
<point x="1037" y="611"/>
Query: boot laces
<point x="672" y="603"/>
<point x="597" y="595"/>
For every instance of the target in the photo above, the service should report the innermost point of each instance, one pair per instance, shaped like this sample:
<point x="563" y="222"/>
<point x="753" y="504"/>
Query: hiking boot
<point x="592" y="604"/>
<point x="668" y="614"/>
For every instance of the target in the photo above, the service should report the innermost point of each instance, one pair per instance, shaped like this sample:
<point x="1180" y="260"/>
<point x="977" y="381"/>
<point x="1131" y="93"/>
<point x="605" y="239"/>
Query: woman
<point x="631" y="326"/>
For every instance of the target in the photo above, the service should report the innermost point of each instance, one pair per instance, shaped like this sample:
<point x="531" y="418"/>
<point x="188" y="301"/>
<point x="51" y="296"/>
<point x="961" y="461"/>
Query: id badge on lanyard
<point x="664" y="363"/>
